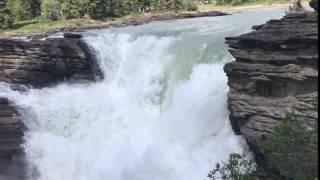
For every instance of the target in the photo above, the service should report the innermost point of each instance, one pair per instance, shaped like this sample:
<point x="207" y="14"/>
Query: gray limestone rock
<point x="275" y="72"/>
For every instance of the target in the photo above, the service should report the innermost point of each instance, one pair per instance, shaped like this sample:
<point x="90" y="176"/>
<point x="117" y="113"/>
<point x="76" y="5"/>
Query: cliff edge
<point x="275" y="73"/>
<point x="37" y="64"/>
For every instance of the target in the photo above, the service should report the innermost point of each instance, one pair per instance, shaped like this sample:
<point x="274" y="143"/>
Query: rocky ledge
<point x="275" y="72"/>
<point x="42" y="63"/>
<point x="37" y="64"/>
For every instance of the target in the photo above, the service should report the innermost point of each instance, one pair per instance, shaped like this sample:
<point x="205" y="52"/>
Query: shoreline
<point x="251" y="8"/>
<point x="141" y="19"/>
<point x="112" y="22"/>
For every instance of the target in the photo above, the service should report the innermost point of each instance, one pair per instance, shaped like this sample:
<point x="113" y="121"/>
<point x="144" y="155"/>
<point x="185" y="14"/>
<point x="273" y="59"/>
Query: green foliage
<point x="231" y="2"/>
<point x="51" y="9"/>
<point x="24" y="9"/>
<point x="6" y="18"/>
<point x="20" y="9"/>
<point x="238" y="168"/>
<point x="190" y="5"/>
<point x="96" y="9"/>
<point x="292" y="150"/>
<point x="70" y="9"/>
<point x="174" y="5"/>
<point x="242" y="2"/>
<point x="35" y="8"/>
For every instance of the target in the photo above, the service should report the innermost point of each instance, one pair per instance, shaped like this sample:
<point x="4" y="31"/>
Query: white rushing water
<point x="160" y="114"/>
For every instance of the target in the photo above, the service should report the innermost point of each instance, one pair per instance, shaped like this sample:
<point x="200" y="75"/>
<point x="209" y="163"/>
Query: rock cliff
<point x="11" y="133"/>
<point x="275" y="72"/>
<point x="42" y="63"/>
<point x="36" y="63"/>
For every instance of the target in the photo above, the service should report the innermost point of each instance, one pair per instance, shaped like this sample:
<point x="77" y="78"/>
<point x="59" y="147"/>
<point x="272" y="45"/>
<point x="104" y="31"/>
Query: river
<point x="159" y="114"/>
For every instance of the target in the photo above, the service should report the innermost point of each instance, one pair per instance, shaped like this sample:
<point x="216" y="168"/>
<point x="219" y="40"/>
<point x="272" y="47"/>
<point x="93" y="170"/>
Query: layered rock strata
<point x="37" y="64"/>
<point x="11" y="133"/>
<point x="42" y="63"/>
<point x="275" y="73"/>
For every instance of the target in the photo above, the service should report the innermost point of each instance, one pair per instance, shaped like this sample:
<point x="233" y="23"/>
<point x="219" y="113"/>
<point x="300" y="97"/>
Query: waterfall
<point x="159" y="114"/>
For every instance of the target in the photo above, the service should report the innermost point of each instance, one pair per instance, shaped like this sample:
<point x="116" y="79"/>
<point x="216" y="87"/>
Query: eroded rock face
<point x="11" y="133"/>
<point x="314" y="4"/>
<point x="36" y="63"/>
<point x="42" y="63"/>
<point x="275" y="72"/>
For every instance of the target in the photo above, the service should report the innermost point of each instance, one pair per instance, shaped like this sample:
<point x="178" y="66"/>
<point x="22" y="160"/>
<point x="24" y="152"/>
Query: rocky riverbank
<point x="37" y="64"/>
<point x="132" y="21"/>
<point x="275" y="73"/>
<point x="41" y="63"/>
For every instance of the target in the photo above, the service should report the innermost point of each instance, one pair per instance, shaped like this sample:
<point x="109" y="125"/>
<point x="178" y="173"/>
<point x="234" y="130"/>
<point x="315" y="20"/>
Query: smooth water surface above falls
<point x="160" y="114"/>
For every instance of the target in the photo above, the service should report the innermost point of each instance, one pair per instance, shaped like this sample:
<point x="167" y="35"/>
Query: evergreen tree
<point x="50" y="9"/>
<point x="20" y="9"/>
<point x="70" y="9"/>
<point x="5" y="16"/>
<point x="84" y="5"/>
<point x="174" y="5"/>
<point x="97" y="9"/>
<point x="118" y="8"/>
<point x="34" y="7"/>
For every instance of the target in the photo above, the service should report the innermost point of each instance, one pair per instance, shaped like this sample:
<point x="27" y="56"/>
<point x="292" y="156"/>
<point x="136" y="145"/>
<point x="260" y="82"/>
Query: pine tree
<point x="118" y="10"/>
<point x="174" y="5"/>
<point x="97" y="9"/>
<point x="6" y="19"/>
<point x="70" y="9"/>
<point x="51" y="9"/>
<point x="20" y="9"/>
<point x="34" y="7"/>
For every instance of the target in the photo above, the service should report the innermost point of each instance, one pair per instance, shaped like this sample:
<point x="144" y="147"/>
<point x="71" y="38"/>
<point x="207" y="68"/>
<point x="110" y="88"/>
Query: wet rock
<point x="314" y="4"/>
<point x="43" y="63"/>
<point x="275" y="72"/>
<point x="38" y="64"/>
<point x="12" y="164"/>
<point x="72" y="35"/>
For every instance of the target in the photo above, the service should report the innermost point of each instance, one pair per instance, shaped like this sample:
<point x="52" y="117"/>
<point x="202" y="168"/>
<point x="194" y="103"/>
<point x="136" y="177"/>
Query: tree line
<point x="19" y="10"/>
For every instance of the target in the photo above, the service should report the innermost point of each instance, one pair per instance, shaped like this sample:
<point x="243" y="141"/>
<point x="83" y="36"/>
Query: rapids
<point x="159" y="114"/>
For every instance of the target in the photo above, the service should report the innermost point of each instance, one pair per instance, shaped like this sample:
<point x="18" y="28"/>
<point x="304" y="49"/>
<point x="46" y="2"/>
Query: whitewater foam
<point x="160" y="113"/>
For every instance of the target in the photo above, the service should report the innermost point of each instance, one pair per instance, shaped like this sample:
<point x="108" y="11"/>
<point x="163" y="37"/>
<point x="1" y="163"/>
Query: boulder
<point x="72" y="35"/>
<point x="314" y="4"/>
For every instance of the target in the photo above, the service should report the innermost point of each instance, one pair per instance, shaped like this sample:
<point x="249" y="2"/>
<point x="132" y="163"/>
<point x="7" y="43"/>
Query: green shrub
<point x="96" y="10"/>
<point x="190" y="5"/>
<point x="238" y="168"/>
<point x="292" y="150"/>
<point x="50" y="9"/>
<point x="231" y="2"/>
<point x="70" y="9"/>
<point x="6" y="18"/>
<point x="20" y="9"/>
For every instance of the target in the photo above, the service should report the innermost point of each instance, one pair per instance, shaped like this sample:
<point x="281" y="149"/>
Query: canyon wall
<point x="42" y="63"/>
<point x="37" y="64"/>
<point x="275" y="72"/>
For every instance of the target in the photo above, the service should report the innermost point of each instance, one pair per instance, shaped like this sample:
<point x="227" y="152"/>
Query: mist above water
<point x="160" y="113"/>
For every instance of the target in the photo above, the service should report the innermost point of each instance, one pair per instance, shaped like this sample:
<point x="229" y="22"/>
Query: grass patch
<point x="39" y="26"/>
